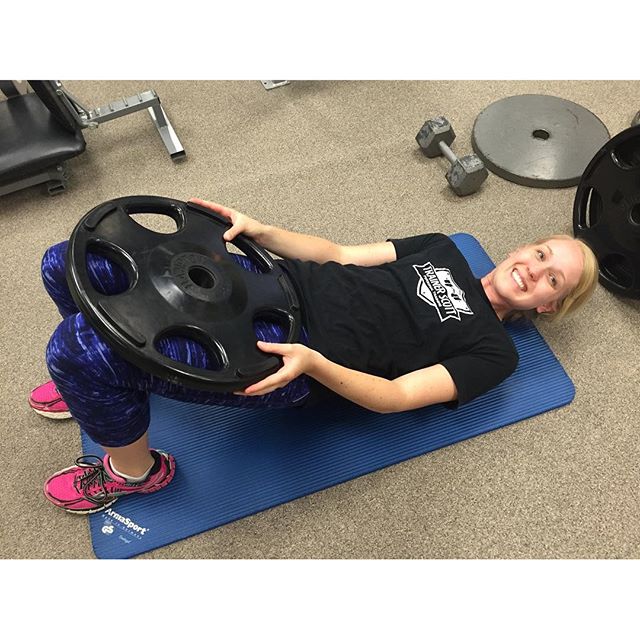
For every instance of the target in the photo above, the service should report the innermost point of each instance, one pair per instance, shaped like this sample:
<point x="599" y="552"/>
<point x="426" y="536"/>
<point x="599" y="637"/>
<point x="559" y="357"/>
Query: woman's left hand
<point x="297" y="359"/>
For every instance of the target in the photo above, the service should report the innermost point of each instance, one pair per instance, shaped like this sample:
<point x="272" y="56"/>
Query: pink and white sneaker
<point x="92" y="485"/>
<point x="47" y="401"/>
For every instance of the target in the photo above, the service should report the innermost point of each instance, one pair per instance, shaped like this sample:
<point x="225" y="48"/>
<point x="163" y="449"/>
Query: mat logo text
<point x="127" y="522"/>
<point x="437" y="287"/>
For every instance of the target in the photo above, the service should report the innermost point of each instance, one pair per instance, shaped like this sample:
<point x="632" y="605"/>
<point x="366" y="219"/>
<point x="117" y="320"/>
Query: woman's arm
<point x="289" y="244"/>
<point x="427" y="386"/>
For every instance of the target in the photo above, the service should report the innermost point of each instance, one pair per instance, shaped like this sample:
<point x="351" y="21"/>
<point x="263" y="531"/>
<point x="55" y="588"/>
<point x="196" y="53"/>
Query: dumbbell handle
<point x="444" y="147"/>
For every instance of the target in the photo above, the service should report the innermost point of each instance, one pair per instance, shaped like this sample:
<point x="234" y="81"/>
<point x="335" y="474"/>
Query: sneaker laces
<point x="95" y="476"/>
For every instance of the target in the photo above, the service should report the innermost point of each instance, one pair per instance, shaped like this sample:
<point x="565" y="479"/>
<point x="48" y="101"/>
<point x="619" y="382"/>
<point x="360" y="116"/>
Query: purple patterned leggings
<point x="107" y="395"/>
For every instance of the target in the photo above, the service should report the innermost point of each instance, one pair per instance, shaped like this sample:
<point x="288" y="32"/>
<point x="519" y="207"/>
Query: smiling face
<point x="537" y="276"/>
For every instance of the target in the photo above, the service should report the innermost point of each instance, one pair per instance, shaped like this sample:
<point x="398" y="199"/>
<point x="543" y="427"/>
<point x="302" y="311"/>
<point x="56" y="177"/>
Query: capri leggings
<point x="107" y="395"/>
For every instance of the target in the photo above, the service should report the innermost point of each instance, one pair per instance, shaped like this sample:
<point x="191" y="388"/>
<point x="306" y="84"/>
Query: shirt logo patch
<point x="437" y="288"/>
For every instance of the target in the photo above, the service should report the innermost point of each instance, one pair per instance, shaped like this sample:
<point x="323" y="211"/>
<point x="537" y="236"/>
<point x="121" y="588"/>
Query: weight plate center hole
<point x="202" y="277"/>
<point x="541" y="134"/>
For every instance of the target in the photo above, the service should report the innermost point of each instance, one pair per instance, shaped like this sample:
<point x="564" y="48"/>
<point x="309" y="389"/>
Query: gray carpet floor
<point x="339" y="159"/>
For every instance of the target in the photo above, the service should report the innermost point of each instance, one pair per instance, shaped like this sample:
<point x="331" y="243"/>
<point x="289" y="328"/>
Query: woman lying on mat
<point x="390" y="326"/>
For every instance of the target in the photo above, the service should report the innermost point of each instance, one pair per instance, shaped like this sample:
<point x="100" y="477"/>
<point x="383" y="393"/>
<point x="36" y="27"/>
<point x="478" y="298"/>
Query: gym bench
<point x="42" y="129"/>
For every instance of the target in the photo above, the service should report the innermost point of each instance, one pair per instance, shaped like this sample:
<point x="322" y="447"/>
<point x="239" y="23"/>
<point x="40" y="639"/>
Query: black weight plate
<point x="606" y="212"/>
<point x="181" y="284"/>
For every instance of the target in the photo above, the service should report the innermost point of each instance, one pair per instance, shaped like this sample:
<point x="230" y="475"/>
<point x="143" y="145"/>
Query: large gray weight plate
<point x="537" y="140"/>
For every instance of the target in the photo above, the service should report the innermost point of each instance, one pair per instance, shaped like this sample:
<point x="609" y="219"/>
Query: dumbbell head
<point x="466" y="175"/>
<point x="433" y="132"/>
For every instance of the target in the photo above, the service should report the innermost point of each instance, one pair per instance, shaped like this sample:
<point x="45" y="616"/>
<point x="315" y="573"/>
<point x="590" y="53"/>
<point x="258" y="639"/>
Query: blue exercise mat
<point x="232" y="463"/>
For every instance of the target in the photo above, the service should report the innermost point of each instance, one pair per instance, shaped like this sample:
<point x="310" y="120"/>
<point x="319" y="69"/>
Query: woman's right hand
<point x="240" y="223"/>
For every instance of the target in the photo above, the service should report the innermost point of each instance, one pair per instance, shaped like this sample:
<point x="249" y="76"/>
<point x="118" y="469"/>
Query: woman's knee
<point x="105" y="276"/>
<point x="53" y="265"/>
<point x="107" y="396"/>
<point x="76" y="351"/>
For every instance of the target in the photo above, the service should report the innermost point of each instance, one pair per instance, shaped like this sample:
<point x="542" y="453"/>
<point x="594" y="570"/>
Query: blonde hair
<point x="579" y="295"/>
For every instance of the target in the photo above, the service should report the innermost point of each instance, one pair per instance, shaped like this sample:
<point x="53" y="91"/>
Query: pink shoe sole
<point x="54" y="415"/>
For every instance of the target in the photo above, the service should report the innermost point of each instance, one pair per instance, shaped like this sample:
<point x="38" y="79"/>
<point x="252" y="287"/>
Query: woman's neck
<point x="501" y="309"/>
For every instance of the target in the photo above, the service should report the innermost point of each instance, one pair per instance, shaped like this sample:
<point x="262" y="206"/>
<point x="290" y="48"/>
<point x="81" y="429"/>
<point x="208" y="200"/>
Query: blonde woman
<point x="390" y="326"/>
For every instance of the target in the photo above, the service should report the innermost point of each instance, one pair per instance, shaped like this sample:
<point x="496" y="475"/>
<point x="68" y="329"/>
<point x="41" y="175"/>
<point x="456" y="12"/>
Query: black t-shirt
<point x="422" y="309"/>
